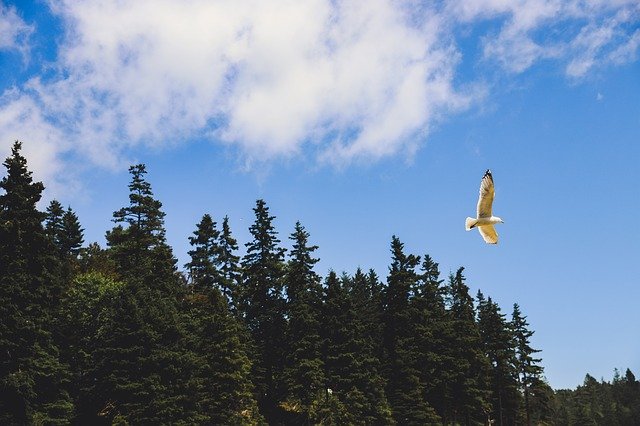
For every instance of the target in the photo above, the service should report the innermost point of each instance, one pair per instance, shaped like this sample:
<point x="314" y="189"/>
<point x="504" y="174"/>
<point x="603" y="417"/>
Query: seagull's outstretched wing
<point x="485" y="201"/>
<point x="489" y="234"/>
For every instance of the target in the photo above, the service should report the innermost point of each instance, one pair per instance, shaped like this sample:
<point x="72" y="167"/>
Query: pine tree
<point x="432" y="331"/>
<point x="499" y="346"/>
<point x="219" y="385"/>
<point x="352" y="369"/>
<point x="527" y="367"/>
<point x="261" y="304"/>
<point x="304" y="371"/>
<point x="64" y="230"/>
<point x="71" y="237"/>
<point x="229" y="264"/>
<point x="139" y="248"/>
<point x="404" y="389"/>
<point x="86" y="309"/>
<point x="141" y="363"/>
<point x="468" y="388"/>
<point x="32" y="378"/>
<point x="203" y="267"/>
<point x="53" y="222"/>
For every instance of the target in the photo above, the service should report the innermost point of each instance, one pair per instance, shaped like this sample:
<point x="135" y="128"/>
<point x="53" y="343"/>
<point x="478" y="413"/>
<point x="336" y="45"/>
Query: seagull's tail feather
<point x="470" y="223"/>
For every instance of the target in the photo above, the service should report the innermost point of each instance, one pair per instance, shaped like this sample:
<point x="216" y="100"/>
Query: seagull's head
<point x="498" y="220"/>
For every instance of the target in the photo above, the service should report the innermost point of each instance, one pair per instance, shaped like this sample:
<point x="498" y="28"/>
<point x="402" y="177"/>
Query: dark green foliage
<point x="352" y="368"/>
<point x="304" y="369"/>
<point x="404" y="388"/>
<point x="433" y="329"/>
<point x="72" y="237"/>
<point x="229" y="264"/>
<point x="64" y="230"/>
<point x="118" y="336"/>
<point x="53" y="221"/>
<point x="262" y="305"/>
<point x="204" y="255"/>
<point x="87" y="311"/>
<point x="141" y="365"/>
<point x="32" y="378"/>
<point x="137" y="243"/>
<point x="600" y="403"/>
<point x="498" y="344"/>
<point x="220" y="387"/>
<point x="468" y="373"/>
<point x="528" y="369"/>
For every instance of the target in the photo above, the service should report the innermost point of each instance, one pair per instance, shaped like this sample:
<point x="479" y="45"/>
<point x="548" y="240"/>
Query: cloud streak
<point x="279" y="78"/>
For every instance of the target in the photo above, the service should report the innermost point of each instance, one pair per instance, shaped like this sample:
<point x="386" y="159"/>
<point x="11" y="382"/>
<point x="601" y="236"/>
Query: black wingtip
<point x="488" y="173"/>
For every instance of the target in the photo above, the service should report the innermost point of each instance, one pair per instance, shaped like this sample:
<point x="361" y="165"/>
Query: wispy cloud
<point x="14" y="32"/>
<point x="281" y="77"/>
<point x="581" y="34"/>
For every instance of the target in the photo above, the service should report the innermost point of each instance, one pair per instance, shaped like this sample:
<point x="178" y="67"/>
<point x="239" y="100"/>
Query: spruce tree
<point x="229" y="264"/>
<point x="66" y="234"/>
<point x="499" y="346"/>
<point x="53" y="222"/>
<point x="203" y="267"/>
<point x="71" y="237"/>
<point x="528" y="370"/>
<point x="432" y="332"/>
<point x="468" y="391"/>
<point x="86" y="312"/>
<point x="261" y="303"/>
<point x="142" y="363"/>
<point x="138" y="243"/>
<point x="404" y="389"/>
<point x="32" y="378"/>
<point x="304" y="370"/>
<point x="219" y="385"/>
<point x="352" y="369"/>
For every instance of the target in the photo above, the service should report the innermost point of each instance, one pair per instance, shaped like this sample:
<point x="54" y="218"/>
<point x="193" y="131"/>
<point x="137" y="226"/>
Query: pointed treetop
<point x="21" y="193"/>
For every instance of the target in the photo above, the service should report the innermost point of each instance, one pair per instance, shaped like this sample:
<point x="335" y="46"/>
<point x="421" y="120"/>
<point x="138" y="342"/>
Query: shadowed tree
<point x="32" y="378"/>
<point x="499" y="345"/>
<point x="528" y="370"/>
<point x="144" y="368"/>
<point x="468" y="372"/>
<point x="304" y="372"/>
<point x="404" y="389"/>
<point x="352" y="369"/>
<point x="261" y="304"/>
<point x="203" y="267"/>
<point x="229" y="265"/>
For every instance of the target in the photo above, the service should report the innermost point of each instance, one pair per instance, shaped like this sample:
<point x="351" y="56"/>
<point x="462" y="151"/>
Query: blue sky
<point x="362" y="124"/>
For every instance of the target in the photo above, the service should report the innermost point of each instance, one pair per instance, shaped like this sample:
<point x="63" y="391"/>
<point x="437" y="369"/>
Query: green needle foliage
<point x="117" y="335"/>
<point x="33" y="381"/>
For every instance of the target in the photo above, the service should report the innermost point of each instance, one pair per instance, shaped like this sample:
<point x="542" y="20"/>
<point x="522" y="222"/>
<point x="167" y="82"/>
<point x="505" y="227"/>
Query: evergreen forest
<point x="123" y="335"/>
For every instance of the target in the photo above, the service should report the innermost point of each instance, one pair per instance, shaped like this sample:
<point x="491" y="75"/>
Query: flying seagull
<point x="485" y="219"/>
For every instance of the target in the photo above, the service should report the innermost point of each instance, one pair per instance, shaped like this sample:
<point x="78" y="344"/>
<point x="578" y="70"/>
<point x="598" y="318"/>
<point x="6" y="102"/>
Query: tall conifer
<point x="261" y="302"/>
<point x="304" y="371"/>
<point x="142" y="360"/>
<point x="404" y="388"/>
<point x="528" y="369"/>
<point x="229" y="264"/>
<point x="32" y="378"/>
<point x="499" y="346"/>
<point x="468" y="392"/>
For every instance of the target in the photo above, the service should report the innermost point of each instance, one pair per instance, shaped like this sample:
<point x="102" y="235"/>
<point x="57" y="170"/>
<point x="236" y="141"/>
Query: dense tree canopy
<point x="118" y="335"/>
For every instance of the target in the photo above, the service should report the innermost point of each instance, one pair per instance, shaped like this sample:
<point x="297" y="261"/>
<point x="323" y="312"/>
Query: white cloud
<point x="275" y="78"/>
<point x="579" y="33"/>
<point x="14" y="32"/>
<point x="269" y="77"/>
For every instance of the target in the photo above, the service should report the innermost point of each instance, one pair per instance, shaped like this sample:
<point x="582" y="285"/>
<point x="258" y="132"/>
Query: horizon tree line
<point x="120" y="335"/>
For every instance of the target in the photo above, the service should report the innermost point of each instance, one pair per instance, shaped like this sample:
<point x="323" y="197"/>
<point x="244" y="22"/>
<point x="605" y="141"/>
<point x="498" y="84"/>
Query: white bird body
<point x="484" y="219"/>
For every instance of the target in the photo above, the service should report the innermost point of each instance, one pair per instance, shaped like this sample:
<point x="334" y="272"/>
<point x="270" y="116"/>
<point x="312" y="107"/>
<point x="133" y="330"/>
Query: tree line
<point x="121" y="335"/>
